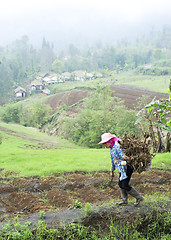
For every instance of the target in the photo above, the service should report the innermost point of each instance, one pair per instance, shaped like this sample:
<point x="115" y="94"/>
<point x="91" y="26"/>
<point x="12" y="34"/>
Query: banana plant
<point x="157" y="113"/>
<point x="161" y="111"/>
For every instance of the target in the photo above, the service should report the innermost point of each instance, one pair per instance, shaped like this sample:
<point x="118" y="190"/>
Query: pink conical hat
<point x="105" y="137"/>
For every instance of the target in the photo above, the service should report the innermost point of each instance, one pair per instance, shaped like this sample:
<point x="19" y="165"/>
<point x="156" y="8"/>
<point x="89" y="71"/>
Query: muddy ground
<point x="55" y="195"/>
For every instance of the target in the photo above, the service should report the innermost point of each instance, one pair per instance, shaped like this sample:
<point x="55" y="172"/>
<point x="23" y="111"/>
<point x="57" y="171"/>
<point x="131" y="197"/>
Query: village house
<point x="20" y="93"/>
<point x="66" y="76"/>
<point x="78" y="75"/>
<point x="89" y="76"/>
<point x="43" y="75"/>
<point x="36" y="85"/>
<point x="51" y="79"/>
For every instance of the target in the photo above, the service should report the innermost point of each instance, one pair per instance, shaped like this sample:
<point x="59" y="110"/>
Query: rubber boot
<point x="136" y="195"/>
<point x="124" y="197"/>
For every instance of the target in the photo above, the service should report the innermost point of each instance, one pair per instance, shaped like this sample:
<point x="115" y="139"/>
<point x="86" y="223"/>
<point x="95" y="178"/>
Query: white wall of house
<point x="20" y="94"/>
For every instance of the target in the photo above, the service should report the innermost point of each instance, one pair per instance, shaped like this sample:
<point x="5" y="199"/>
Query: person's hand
<point x="111" y="174"/>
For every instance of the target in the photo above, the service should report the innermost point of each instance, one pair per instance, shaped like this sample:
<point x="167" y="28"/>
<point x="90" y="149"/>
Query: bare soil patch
<point x="129" y="94"/>
<point x="27" y="196"/>
<point x="67" y="99"/>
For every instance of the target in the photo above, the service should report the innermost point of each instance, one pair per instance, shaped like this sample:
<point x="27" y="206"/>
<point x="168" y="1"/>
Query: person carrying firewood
<point x="118" y="160"/>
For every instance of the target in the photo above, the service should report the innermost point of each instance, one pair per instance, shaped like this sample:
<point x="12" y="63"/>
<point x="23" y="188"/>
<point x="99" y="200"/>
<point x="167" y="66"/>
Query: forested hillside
<point x="21" y="62"/>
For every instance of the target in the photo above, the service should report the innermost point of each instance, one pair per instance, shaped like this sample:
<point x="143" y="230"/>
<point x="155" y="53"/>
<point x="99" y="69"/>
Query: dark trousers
<point x="124" y="184"/>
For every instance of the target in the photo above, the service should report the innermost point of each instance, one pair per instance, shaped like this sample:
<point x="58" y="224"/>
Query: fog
<point x="81" y="22"/>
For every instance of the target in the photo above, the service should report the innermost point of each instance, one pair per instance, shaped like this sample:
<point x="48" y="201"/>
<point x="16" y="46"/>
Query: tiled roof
<point x="19" y="89"/>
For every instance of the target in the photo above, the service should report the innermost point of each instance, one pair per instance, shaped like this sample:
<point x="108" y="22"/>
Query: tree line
<point x="21" y="62"/>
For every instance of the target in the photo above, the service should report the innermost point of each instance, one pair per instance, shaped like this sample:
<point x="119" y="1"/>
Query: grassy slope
<point x="152" y="83"/>
<point x="162" y="160"/>
<point x="15" y="156"/>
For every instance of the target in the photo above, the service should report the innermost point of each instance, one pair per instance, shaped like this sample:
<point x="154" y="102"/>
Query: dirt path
<point x="45" y="142"/>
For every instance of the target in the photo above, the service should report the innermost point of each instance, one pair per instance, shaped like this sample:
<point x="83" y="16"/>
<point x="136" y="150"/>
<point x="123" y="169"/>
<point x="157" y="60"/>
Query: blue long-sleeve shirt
<point x="117" y="156"/>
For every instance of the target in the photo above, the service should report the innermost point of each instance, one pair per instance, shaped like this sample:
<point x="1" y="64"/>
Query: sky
<point x="80" y="21"/>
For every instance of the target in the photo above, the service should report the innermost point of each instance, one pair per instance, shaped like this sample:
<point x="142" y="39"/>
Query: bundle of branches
<point x="138" y="151"/>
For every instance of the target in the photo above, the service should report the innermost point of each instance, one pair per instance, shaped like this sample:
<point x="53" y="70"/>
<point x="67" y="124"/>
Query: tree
<point x="157" y="113"/>
<point x="57" y="66"/>
<point x="101" y="113"/>
<point x="73" y="50"/>
<point x="11" y="113"/>
<point x="38" y="115"/>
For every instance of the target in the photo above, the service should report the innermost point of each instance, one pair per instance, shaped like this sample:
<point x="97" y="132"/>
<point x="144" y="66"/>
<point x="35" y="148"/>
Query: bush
<point x="156" y="71"/>
<point x="11" y="113"/>
<point x="86" y="128"/>
<point x="35" y="115"/>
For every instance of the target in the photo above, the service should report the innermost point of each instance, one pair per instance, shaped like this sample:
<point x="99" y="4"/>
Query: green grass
<point x="20" y="128"/>
<point x="15" y="156"/>
<point x="151" y="83"/>
<point x="35" y="134"/>
<point x="156" y="198"/>
<point x="46" y="162"/>
<point x="162" y="160"/>
<point x="70" y="85"/>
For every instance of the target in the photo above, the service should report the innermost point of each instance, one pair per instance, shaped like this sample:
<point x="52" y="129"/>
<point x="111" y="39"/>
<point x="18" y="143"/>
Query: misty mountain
<point x="79" y="28"/>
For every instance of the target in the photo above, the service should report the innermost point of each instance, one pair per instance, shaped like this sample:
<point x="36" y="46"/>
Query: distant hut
<point x="36" y="85"/>
<point x="66" y="76"/>
<point x="20" y="93"/>
<point x="78" y="75"/>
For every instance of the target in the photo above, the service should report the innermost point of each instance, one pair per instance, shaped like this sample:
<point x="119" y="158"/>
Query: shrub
<point x="37" y="115"/>
<point x="11" y="113"/>
<point x="86" y="128"/>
